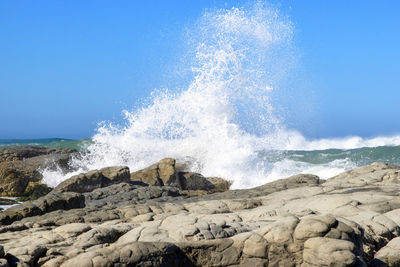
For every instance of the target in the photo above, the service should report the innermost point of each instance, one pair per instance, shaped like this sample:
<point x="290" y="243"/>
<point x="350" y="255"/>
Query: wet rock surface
<point x="20" y="166"/>
<point x="25" y="152"/>
<point x="352" y="219"/>
<point x="87" y="182"/>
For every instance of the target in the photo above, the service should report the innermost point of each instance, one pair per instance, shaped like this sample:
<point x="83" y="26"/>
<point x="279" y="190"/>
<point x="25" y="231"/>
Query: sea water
<point x="225" y="120"/>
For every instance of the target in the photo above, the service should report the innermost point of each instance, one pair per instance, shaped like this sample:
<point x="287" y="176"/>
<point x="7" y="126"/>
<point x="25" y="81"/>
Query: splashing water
<point x="218" y="120"/>
<point x="224" y="122"/>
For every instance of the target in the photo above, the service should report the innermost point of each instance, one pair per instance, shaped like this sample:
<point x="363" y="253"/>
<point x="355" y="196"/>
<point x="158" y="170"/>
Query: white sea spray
<point x="225" y="117"/>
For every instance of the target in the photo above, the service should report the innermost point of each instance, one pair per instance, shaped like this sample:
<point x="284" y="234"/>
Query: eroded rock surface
<point x="20" y="166"/>
<point x="168" y="172"/>
<point x="87" y="182"/>
<point x="352" y="219"/>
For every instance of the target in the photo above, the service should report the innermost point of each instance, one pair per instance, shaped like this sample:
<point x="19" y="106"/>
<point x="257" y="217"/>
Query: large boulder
<point x="148" y="176"/>
<point x="160" y="173"/>
<point x="220" y="184"/>
<point x="21" y="166"/>
<point x="116" y="174"/>
<point x="389" y="255"/>
<point x="34" y="191"/>
<point x="168" y="172"/>
<point x="322" y="251"/>
<point x="87" y="182"/>
<point x="194" y="181"/>
<point x="15" y="177"/>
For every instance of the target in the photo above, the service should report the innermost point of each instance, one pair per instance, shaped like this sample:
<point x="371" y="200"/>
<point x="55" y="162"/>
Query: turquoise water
<point x="358" y="156"/>
<point x="79" y="144"/>
<point x="275" y="164"/>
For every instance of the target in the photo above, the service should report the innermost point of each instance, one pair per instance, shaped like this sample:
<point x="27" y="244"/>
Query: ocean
<point x="225" y="119"/>
<point x="275" y="164"/>
<point x="47" y="142"/>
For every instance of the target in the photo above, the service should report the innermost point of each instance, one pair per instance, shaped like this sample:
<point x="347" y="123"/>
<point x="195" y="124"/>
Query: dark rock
<point x="4" y="263"/>
<point x="22" y="165"/>
<point x="148" y="176"/>
<point x="128" y="193"/>
<point x="220" y="184"/>
<point x="165" y="173"/>
<point x="194" y="181"/>
<point x="161" y="173"/>
<point x="81" y="183"/>
<point x="6" y="201"/>
<point x="87" y="182"/>
<point x="48" y="203"/>
<point x="117" y="174"/>
<point x="15" y="177"/>
<point x="25" y="152"/>
<point x="34" y="191"/>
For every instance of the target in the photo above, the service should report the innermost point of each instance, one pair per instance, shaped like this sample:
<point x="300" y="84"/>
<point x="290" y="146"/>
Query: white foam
<point x="216" y="119"/>
<point x="293" y="140"/>
<point x="226" y="114"/>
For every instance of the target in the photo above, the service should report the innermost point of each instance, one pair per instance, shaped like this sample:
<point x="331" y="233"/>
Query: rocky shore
<point x="20" y="167"/>
<point x="165" y="215"/>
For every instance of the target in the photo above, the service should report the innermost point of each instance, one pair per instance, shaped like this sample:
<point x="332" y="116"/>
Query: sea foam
<point x="226" y="115"/>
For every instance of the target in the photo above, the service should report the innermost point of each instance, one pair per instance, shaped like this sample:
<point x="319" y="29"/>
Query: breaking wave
<point x="225" y="122"/>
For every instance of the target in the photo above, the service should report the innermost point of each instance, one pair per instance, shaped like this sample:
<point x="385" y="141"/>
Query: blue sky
<point x="67" y="65"/>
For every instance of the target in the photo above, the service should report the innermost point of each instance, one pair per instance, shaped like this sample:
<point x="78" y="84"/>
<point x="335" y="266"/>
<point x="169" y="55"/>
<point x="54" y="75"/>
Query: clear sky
<point x="66" y="65"/>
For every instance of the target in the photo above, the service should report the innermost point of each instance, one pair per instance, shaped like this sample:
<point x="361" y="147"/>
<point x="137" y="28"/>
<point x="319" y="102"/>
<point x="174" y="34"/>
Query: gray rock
<point x="147" y="176"/>
<point x="81" y="183"/>
<point x="349" y="220"/>
<point x="72" y="229"/>
<point x="375" y="173"/>
<point x="15" y="177"/>
<point x="165" y="173"/>
<point x="220" y="184"/>
<point x="20" y="165"/>
<point x="322" y="251"/>
<point x="48" y="203"/>
<point x="116" y="174"/>
<point x="24" y="152"/>
<point x="389" y="255"/>
<point x="160" y="173"/>
<point x="87" y="182"/>
<point x="4" y="263"/>
<point x="194" y="181"/>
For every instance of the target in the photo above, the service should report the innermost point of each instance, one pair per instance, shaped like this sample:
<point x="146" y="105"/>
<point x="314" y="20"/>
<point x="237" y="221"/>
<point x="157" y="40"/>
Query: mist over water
<point x="225" y="122"/>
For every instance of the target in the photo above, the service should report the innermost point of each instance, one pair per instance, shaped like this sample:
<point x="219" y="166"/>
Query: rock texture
<point x="161" y="173"/>
<point x="352" y="219"/>
<point x="87" y="182"/>
<point x="20" y="166"/>
<point x="168" y="172"/>
<point x="24" y="152"/>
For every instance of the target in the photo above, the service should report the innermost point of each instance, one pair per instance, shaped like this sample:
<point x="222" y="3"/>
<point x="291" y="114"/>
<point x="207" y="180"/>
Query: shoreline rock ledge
<point x="161" y="216"/>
